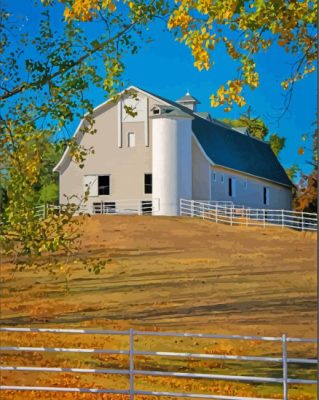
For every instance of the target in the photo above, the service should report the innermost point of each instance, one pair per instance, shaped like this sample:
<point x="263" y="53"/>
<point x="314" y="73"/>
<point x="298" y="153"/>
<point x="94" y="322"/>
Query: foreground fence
<point x="239" y="215"/>
<point x="133" y="354"/>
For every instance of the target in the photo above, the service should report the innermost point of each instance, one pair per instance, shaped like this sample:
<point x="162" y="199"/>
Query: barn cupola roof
<point x="188" y="101"/>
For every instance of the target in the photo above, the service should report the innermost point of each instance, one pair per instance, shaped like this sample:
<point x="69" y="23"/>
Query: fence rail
<point x="132" y="372"/>
<point x="124" y="207"/>
<point x="232" y="214"/>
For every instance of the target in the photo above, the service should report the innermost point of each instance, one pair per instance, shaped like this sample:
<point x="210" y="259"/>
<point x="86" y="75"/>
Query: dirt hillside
<point x="176" y="273"/>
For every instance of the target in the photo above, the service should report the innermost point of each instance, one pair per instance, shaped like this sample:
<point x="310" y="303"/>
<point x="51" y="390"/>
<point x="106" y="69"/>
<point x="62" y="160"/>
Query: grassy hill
<point x="175" y="274"/>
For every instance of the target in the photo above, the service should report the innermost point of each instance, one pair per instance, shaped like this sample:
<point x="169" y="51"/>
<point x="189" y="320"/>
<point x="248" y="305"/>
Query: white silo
<point x="171" y="158"/>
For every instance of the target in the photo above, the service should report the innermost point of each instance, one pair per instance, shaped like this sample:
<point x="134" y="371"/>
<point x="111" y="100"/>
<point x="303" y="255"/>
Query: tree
<point x="247" y="28"/>
<point x="258" y="129"/>
<point x="46" y="75"/>
<point x="277" y="143"/>
<point x="47" y="186"/>
<point x="307" y="191"/>
<point x="293" y="172"/>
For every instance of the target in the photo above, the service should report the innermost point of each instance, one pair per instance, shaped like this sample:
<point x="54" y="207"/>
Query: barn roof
<point x="226" y="147"/>
<point x="231" y="149"/>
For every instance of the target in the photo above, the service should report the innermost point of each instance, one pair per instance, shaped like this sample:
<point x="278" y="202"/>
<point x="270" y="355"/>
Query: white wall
<point x="171" y="162"/>
<point x="200" y="173"/>
<point x="125" y="165"/>
<point x="249" y="190"/>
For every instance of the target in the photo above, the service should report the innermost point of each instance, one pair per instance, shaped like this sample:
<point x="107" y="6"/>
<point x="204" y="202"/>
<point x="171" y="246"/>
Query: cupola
<point x="188" y="101"/>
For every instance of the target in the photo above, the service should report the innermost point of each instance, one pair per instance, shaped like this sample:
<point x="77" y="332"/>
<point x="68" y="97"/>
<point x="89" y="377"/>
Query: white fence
<point x="218" y="211"/>
<point x="43" y="210"/>
<point x="239" y="215"/>
<point x="123" y="207"/>
<point x="133" y="354"/>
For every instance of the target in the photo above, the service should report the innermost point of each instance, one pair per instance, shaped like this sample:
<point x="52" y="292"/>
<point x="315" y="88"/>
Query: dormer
<point x="163" y="111"/>
<point x="188" y="101"/>
<point x="156" y="110"/>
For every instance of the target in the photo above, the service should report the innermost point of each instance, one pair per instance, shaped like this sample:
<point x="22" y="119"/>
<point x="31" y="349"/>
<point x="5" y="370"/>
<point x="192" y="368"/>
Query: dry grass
<point x="168" y="274"/>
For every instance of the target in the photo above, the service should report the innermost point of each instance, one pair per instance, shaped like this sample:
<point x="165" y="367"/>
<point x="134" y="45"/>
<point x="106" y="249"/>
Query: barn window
<point x="222" y="178"/>
<point x="104" y="185"/>
<point x="148" y="183"/>
<point x="231" y="187"/>
<point x="266" y="196"/>
<point x="214" y="177"/>
<point x="131" y="139"/>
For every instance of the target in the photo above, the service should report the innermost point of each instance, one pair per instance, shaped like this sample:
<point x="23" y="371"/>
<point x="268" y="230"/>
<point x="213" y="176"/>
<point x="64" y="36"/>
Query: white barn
<point x="169" y="151"/>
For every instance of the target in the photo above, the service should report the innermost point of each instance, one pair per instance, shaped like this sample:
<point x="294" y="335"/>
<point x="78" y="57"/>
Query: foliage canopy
<point x="257" y="128"/>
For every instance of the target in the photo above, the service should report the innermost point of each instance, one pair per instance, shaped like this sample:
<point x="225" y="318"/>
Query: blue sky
<point x="166" y="67"/>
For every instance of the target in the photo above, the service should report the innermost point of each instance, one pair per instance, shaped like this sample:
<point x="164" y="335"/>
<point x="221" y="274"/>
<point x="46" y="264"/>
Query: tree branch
<point x="41" y="82"/>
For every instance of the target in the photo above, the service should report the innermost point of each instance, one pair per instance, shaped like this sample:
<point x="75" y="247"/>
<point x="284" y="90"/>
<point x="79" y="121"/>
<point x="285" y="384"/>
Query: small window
<point x="131" y="139"/>
<point x="245" y="184"/>
<point x="156" y="111"/>
<point x="222" y="178"/>
<point x="266" y="196"/>
<point x="148" y="183"/>
<point x="231" y="187"/>
<point x="147" y="207"/>
<point x="214" y="177"/>
<point x="104" y="185"/>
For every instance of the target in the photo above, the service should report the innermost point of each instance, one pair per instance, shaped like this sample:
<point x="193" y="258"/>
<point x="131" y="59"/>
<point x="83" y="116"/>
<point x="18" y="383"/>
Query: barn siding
<point x="126" y="166"/>
<point x="252" y="196"/>
<point x="201" y="174"/>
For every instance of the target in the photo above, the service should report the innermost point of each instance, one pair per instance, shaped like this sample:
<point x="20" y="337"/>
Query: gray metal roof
<point x="204" y="114"/>
<point x="230" y="149"/>
<point x="170" y="111"/>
